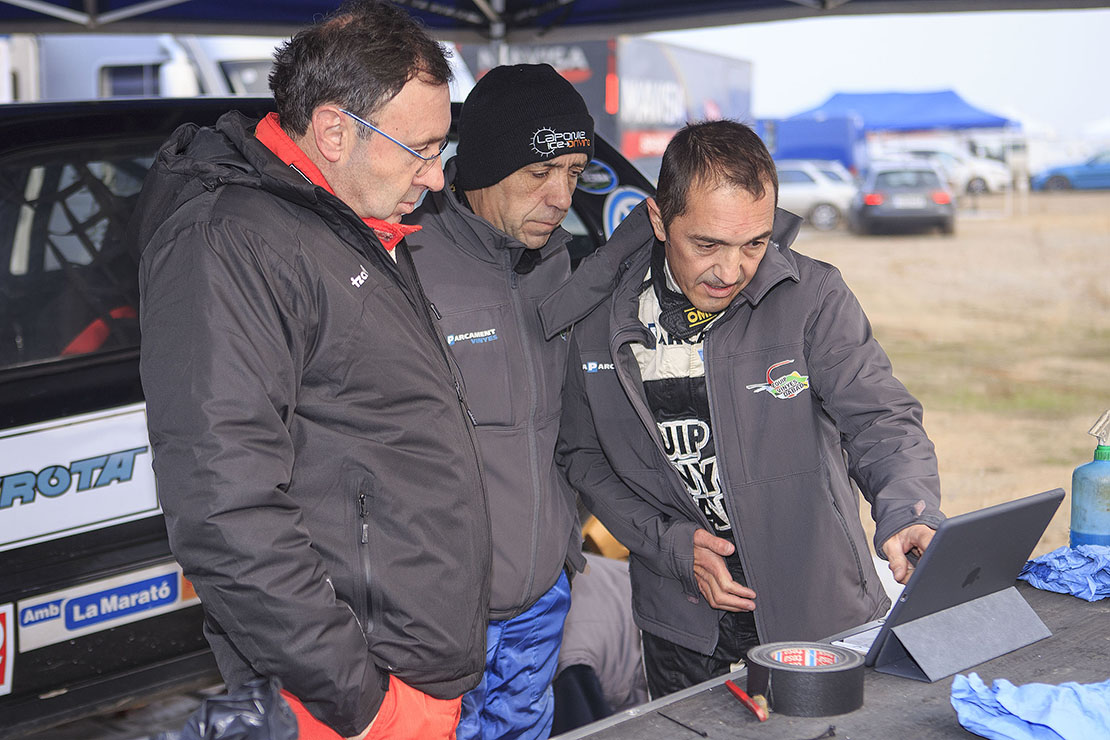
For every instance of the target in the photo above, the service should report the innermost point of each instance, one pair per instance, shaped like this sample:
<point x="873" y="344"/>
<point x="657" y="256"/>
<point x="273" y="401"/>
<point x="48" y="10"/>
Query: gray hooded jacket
<point x="316" y="464"/>
<point x="513" y="378"/>
<point x="787" y="448"/>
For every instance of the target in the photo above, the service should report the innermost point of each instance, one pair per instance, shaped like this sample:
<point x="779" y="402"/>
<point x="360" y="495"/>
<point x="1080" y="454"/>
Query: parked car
<point x="815" y="190"/>
<point x="905" y="195"/>
<point x="1094" y="173"/>
<point x="966" y="173"/>
<point x="94" y="612"/>
<point x="834" y="170"/>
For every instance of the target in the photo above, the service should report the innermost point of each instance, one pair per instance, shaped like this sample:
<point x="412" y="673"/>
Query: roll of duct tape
<point x="806" y="679"/>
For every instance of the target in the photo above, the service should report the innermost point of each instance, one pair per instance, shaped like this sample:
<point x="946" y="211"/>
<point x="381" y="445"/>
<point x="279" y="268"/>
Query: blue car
<point x="1092" y="174"/>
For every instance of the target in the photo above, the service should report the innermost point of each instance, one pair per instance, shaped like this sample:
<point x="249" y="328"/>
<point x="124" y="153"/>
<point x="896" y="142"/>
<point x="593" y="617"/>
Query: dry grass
<point x="1002" y="332"/>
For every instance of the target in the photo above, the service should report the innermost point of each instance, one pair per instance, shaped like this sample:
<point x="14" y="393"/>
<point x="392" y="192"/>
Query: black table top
<point x="893" y="707"/>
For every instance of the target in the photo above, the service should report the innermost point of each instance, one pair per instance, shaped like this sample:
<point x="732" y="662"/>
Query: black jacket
<point x="314" y="458"/>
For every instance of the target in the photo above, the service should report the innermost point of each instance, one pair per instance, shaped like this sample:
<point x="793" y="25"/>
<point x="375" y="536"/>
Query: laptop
<point x="960" y="604"/>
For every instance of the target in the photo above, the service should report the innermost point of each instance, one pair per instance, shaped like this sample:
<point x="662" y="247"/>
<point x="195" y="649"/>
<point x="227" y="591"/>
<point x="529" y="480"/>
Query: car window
<point x="833" y="175"/>
<point x="795" y="177"/>
<point x="906" y="179"/>
<point x="248" y="76"/>
<point x="67" y="286"/>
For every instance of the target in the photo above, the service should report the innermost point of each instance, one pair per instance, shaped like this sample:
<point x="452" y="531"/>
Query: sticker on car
<point x="74" y="475"/>
<point x="618" y="205"/>
<point x="99" y="605"/>
<point x="7" y="648"/>
<point x="598" y="178"/>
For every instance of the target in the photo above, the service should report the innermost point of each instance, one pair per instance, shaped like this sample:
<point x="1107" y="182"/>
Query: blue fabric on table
<point x="1083" y="571"/>
<point x="1035" y="711"/>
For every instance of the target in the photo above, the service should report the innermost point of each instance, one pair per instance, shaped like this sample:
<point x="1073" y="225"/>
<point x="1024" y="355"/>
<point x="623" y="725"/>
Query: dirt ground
<point x="1002" y="331"/>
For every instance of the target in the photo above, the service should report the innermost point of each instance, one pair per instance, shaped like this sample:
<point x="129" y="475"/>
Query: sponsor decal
<point x="594" y="367"/>
<point x="637" y="144"/>
<point x="696" y="317"/>
<point x="598" y="178"/>
<point x="618" y="204"/>
<point x="568" y="60"/>
<point x="784" y="386"/>
<point x="474" y="337"/>
<point x="652" y="102"/>
<point x="100" y="605"/>
<point x="7" y="648"/>
<point x="360" y="278"/>
<point x="74" y="475"/>
<point x="548" y="142"/>
<point x="57" y="480"/>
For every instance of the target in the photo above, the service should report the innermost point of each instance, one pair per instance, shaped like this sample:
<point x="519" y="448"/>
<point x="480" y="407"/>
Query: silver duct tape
<point x="806" y="679"/>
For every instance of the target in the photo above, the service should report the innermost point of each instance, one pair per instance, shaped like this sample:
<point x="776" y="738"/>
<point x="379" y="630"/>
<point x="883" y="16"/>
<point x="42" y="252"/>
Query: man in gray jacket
<point x="490" y="248"/>
<point x="720" y="404"/>
<point x="314" y="455"/>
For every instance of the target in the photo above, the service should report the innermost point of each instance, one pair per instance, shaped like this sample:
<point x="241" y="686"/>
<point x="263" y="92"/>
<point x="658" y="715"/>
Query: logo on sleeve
<point x="784" y="386"/>
<point x="594" y="367"/>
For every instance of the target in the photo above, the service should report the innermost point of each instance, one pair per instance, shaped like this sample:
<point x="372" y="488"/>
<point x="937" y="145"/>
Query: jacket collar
<point x="486" y="242"/>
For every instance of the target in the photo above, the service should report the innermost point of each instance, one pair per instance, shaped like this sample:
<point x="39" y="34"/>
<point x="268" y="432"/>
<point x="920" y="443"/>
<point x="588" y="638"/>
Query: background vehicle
<point x="968" y="174"/>
<point x="817" y="191"/>
<point x="902" y="194"/>
<point x="94" y="612"/>
<point x="1094" y="173"/>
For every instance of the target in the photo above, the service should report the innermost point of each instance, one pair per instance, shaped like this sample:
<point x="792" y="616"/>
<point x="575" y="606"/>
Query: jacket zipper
<point x="364" y="556"/>
<point x="530" y="371"/>
<point x="722" y="480"/>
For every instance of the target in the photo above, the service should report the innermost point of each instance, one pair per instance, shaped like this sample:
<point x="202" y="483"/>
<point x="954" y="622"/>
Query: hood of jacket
<point x="195" y="160"/>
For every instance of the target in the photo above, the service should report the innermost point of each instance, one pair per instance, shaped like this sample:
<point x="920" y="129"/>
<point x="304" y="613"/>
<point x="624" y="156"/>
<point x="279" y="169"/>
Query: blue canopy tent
<point x="905" y="111"/>
<point x="465" y="20"/>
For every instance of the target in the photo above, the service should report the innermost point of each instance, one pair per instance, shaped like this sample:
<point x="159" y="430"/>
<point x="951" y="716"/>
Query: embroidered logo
<point x="547" y="142"/>
<point x="360" y="278"/>
<point x="784" y="386"/>
<point x="593" y="367"/>
<point x="474" y="337"/>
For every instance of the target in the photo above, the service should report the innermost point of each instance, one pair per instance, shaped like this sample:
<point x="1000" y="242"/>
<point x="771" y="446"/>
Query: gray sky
<point x="1042" y="67"/>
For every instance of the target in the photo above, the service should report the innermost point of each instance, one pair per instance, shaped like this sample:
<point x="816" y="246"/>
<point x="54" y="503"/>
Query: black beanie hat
<point x="517" y="115"/>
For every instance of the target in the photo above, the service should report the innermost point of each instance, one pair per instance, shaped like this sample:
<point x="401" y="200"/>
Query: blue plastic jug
<point x="1090" y="492"/>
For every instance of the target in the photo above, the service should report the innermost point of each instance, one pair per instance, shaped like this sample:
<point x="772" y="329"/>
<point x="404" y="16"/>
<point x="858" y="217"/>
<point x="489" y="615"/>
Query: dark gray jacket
<point x="784" y="457"/>
<point x="513" y="380"/>
<point x="317" y="467"/>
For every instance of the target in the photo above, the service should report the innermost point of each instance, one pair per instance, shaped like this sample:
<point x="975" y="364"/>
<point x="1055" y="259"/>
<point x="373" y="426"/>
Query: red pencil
<point x="757" y="705"/>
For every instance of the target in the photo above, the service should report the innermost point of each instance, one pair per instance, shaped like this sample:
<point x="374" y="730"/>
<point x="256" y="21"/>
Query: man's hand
<point x="714" y="580"/>
<point x="913" y="539"/>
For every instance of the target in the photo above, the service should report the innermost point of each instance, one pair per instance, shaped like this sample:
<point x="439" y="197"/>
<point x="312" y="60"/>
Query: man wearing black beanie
<point x="490" y="249"/>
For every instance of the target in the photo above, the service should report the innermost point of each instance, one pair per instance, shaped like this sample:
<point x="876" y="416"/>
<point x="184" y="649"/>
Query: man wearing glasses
<point x="315" y="459"/>
<point x="490" y="248"/>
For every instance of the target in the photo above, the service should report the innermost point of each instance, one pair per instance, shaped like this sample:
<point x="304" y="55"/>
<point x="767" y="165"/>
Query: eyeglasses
<point x="427" y="161"/>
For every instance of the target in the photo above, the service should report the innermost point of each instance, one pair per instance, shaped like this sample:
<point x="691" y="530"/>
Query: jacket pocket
<point x="365" y="593"/>
<point x="483" y="343"/>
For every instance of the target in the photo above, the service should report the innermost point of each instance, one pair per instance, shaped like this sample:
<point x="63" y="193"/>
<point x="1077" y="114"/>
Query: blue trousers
<point x="514" y="699"/>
